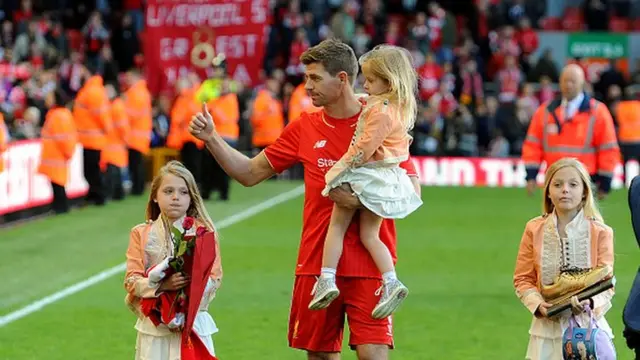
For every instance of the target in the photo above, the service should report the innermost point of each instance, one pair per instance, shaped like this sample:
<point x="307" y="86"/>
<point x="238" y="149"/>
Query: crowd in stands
<point x="479" y="80"/>
<point x="59" y="43"/>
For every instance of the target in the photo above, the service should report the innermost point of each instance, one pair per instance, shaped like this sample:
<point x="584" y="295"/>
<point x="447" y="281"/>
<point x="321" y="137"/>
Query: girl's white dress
<point x="159" y="343"/>
<point x="384" y="189"/>
<point x="382" y="186"/>
<point x="545" y="342"/>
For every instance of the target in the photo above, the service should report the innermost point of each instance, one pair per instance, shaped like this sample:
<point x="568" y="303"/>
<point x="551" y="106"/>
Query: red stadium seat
<point x="573" y="20"/>
<point x="618" y="24"/>
<point x="551" y="24"/>
<point x="76" y="40"/>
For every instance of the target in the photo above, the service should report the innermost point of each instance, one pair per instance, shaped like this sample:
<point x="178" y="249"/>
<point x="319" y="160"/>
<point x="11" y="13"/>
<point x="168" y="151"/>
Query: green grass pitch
<point x="456" y="254"/>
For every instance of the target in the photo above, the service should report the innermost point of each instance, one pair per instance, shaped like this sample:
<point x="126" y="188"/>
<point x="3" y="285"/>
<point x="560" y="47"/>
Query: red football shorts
<point x="321" y="330"/>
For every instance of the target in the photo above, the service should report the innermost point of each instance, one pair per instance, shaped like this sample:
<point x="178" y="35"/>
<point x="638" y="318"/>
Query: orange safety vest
<point x="628" y="116"/>
<point x="225" y="111"/>
<point x="300" y="102"/>
<point x="589" y="136"/>
<point x="59" y="140"/>
<point x="184" y="108"/>
<point x="3" y="140"/>
<point x="267" y="119"/>
<point x="115" y="153"/>
<point x="91" y="114"/>
<point x="137" y="100"/>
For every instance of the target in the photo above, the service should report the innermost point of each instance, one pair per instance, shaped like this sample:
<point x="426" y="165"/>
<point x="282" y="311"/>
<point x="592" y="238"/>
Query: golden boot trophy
<point x="583" y="283"/>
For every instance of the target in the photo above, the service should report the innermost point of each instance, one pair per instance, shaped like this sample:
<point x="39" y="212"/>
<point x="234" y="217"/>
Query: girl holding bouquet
<point x="174" y="202"/>
<point x="570" y="238"/>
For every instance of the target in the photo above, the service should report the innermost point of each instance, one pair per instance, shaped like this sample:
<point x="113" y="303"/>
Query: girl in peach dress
<point x="370" y="166"/>
<point x="174" y="195"/>
<point x="570" y="235"/>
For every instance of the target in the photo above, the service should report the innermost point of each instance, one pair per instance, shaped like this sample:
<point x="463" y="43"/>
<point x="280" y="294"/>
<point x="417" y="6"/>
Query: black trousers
<point x="94" y="176"/>
<point x="213" y="176"/>
<point x="629" y="152"/>
<point x="136" y="172"/>
<point x="191" y="158"/>
<point x="114" y="182"/>
<point x="632" y="338"/>
<point x="60" y="204"/>
<point x="297" y="172"/>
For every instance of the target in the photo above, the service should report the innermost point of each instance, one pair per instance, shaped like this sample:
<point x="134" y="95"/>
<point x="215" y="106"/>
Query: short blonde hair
<point x="395" y="65"/>
<point x="588" y="202"/>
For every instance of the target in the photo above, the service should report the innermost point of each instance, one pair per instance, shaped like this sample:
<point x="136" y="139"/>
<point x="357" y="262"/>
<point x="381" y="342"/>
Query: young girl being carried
<point x="174" y="196"/>
<point x="370" y="166"/>
<point x="569" y="247"/>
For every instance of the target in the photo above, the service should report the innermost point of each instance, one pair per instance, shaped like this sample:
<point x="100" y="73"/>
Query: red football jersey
<point x="318" y="141"/>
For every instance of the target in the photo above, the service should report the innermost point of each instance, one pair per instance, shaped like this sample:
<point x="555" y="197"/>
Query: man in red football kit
<point x="318" y="140"/>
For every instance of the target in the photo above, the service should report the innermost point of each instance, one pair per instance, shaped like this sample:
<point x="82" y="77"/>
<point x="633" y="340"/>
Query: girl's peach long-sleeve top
<point x="380" y="139"/>
<point x="542" y="252"/>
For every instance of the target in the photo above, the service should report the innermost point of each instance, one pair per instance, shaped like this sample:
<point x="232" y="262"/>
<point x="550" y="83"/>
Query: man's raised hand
<point x="201" y="126"/>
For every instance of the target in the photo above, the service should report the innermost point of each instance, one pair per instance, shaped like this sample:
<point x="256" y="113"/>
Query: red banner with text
<point x="492" y="172"/>
<point x="184" y="36"/>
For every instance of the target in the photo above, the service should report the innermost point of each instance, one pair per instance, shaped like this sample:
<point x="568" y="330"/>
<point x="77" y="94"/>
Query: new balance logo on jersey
<point x="320" y="144"/>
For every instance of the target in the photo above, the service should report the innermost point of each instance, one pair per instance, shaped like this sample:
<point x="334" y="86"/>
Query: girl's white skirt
<point x="150" y="347"/>
<point x="154" y="344"/>
<point x="385" y="191"/>
<point x="158" y="347"/>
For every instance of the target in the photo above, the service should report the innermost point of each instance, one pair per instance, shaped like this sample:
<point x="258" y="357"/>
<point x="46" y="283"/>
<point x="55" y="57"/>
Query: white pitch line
<point x="95" y="279"/>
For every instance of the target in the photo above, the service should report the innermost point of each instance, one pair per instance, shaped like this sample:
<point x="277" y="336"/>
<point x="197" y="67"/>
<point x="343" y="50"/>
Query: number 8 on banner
<point x="201" y="48"/>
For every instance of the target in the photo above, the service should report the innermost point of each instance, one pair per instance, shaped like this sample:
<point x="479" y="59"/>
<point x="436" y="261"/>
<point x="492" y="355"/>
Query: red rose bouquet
<point x="194" y="256"/>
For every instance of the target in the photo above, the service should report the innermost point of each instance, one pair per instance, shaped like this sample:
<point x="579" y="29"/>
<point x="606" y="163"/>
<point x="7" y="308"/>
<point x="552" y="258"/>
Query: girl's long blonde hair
<point x="196" y="209"/>
<point x="588" y="202"/>
<point x="395" y="65"/>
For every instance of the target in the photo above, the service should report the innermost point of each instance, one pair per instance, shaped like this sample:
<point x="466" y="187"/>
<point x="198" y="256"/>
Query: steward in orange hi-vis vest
<point x="115" y="152"/>
<point x="300" y="102"/>
<point x="267" y="119"/>
<point x="92" y="116"/>
<point x="628" y="118"/>
<point x="225" y="110"/>
<point x="137" y="102"/>
<point x="589" y="135"/>
<point x="627" y="115"/>
<point x="59" y="140"/>
<point x="184" y="108"/>
<point x="115" y="156"/>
